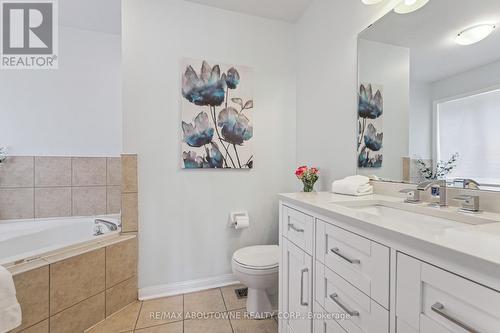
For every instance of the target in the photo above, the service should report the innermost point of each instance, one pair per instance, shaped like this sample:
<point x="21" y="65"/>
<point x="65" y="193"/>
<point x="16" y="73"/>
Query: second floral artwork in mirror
<point x="217" y="114"/>
<point x="370" y="125"/>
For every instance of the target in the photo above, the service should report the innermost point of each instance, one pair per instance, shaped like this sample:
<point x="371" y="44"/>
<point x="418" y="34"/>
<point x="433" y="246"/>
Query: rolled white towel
<point x="353" y="185"/>
<point x="10" y="310"/>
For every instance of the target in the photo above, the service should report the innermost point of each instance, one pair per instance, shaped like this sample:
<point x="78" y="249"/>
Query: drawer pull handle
<point x="352" y="313"/>
<point x="349" y="260"/>
<point x="439" y="309"/>
<point x="302" y="302"/>
<point x="294" y="228"/>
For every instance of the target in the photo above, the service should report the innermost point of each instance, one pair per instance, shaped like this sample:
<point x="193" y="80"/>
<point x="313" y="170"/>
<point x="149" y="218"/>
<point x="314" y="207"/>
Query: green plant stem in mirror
<point x="443" y="168"/>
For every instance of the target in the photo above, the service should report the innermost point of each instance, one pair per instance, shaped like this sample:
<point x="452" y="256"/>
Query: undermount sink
<point x="417" y="213"/>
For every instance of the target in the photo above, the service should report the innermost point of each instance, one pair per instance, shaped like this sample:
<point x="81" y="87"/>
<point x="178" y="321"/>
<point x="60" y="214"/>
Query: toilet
<point x="257" y="268"/>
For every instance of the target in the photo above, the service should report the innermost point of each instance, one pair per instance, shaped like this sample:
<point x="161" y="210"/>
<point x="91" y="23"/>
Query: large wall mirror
<point x="429" y="95"/>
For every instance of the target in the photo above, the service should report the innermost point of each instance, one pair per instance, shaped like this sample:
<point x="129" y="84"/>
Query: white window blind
<point x="471" y="127"/>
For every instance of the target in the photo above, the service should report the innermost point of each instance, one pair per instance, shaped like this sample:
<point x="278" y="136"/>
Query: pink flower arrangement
<point x="308" y="176"/>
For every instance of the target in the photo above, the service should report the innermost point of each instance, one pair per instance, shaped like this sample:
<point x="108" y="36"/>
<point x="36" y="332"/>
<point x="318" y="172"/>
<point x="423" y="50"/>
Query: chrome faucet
<point x="466" y="183"/>
<point x="412" y="195"/>
<point x="438" y="190"/>
<point x="470" y="203"/>
<point x="98" y="226"/>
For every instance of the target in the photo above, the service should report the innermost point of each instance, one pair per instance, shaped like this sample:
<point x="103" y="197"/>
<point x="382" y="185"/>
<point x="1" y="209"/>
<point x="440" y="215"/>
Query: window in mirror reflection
<point x="471" y="127"/>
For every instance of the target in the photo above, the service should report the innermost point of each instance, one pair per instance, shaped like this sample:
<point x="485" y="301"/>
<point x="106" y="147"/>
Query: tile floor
<point x="227" y="315"/>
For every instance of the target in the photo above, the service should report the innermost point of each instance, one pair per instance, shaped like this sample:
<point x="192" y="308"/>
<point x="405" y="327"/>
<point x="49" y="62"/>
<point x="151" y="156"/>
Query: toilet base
<point x="258" y="304"/>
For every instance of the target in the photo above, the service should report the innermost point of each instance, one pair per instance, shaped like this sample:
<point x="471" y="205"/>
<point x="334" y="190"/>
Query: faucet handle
<point x="470" y="203"/>
<point x="412" y="195"/>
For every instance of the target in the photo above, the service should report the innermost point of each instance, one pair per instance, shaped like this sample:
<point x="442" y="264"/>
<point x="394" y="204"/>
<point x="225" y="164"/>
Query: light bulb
<point x="408" y="6"/>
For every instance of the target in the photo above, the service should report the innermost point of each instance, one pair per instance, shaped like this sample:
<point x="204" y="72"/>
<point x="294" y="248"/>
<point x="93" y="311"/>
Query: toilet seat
<point x="261" y="257"/>
<point x="257" y="267"/>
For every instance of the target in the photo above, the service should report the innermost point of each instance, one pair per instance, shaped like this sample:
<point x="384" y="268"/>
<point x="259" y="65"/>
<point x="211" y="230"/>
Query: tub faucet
<point x="438" y="190"/>
<point x="99" y="222"/>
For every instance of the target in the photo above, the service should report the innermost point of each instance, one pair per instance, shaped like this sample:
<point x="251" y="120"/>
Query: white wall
<point x="471" y="81"/>
<point x="184" y="214"/>
<point x="75" y="110"/>
<point x="327" y="84"/>
<point x="420" y="120"/>
<point x="389" y="66"/>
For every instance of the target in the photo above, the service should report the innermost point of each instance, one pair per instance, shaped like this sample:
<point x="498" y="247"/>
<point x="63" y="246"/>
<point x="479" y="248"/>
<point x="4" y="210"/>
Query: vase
<point x="308" y="187"/>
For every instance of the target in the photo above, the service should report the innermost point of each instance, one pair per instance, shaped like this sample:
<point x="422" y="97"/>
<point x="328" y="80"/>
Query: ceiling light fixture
<point x="371" y="2"/>
<point x="474" y="34"/>
<point x="408" y="6"/>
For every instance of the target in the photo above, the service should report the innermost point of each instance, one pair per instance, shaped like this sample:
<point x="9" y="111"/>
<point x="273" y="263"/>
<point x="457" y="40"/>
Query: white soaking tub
<point x="26" y="239"/>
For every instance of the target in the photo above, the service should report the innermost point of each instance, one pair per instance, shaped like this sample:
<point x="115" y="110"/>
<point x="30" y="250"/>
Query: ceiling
<point x="97" y="15"/>
<point x="285" y="10"/>
<point x="430" y="32"/>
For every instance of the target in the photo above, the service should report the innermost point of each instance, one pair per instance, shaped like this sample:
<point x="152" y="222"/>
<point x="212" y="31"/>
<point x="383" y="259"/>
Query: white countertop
<point x="480" y="241"/>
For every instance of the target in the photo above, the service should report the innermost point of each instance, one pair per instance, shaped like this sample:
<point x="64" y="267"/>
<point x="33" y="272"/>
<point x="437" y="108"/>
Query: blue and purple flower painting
<point x="217" y="113"/>
<point x="370" y="126"/>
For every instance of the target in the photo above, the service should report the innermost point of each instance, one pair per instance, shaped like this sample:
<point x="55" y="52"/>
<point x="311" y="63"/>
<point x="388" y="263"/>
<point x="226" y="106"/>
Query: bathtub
<point x="27" y="239"/>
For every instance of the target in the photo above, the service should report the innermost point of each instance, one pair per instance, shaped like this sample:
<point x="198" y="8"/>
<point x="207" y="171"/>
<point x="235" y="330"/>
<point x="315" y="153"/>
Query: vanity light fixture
<point x="474" y="34"/>
<point x="408" y="6"/>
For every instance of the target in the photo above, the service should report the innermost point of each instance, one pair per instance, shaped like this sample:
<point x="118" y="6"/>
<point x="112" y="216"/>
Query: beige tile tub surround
<point x="89" y="201"/>
<point x="52" y="201"/>
<point x="67" y="291"/>
<point x="41" y="327"/>
<point x="52" y="171"/>
<point x="113" y="199"/>
<point x="113" y="171"/>
<point x="129" y="173"/>
<point x="17" y="203"/>
<point x="17" y="172"/>
<point x="76" y="279"/>
<point x="32" y="289"/>
<point x="129" y="200"/>
<point x="89" y="171"/>
<point x="121" y="262"/>
<point x="130" y="213"/>
<point x="44" y="186"/>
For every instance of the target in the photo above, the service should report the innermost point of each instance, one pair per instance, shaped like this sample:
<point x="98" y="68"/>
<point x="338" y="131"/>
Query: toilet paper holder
<point x="234" y="215"/>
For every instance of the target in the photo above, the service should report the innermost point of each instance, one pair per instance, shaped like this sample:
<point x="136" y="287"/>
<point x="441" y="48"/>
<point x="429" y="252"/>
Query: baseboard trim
<point x="184" y="287"/>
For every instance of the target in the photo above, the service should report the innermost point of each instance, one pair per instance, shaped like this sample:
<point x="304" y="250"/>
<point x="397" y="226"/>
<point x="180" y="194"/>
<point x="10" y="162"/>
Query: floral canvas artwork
<point x="217" y="116"/>
<point x="370" y="126"/>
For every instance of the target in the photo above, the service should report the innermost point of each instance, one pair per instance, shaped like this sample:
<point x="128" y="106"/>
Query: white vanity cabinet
<point x="432" y="300"/>
<point x="297" y="269"/>
<point x="364" y="283"/>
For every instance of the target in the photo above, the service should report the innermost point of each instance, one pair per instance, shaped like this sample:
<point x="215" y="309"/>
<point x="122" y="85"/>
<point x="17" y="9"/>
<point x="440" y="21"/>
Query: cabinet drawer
<point x="298" y="228"/>
<point x="362" y="262"/>
<point x="336" y="295"/>
<point x="444" y="302"/>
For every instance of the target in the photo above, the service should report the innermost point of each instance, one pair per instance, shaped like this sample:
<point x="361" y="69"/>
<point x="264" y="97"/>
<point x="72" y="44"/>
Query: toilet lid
<point x="262" y="256"/>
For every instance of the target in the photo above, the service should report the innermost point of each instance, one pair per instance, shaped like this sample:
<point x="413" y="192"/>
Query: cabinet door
<point x="297" y="288"/>
<point x="324" y="324"/>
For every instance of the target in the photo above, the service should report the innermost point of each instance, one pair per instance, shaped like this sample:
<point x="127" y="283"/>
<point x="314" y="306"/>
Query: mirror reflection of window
<point x="470" y="126"/>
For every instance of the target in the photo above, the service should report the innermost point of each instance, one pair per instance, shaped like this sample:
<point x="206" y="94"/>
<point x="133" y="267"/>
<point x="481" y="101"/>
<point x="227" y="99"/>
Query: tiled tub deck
<point x="72" y="289"/>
